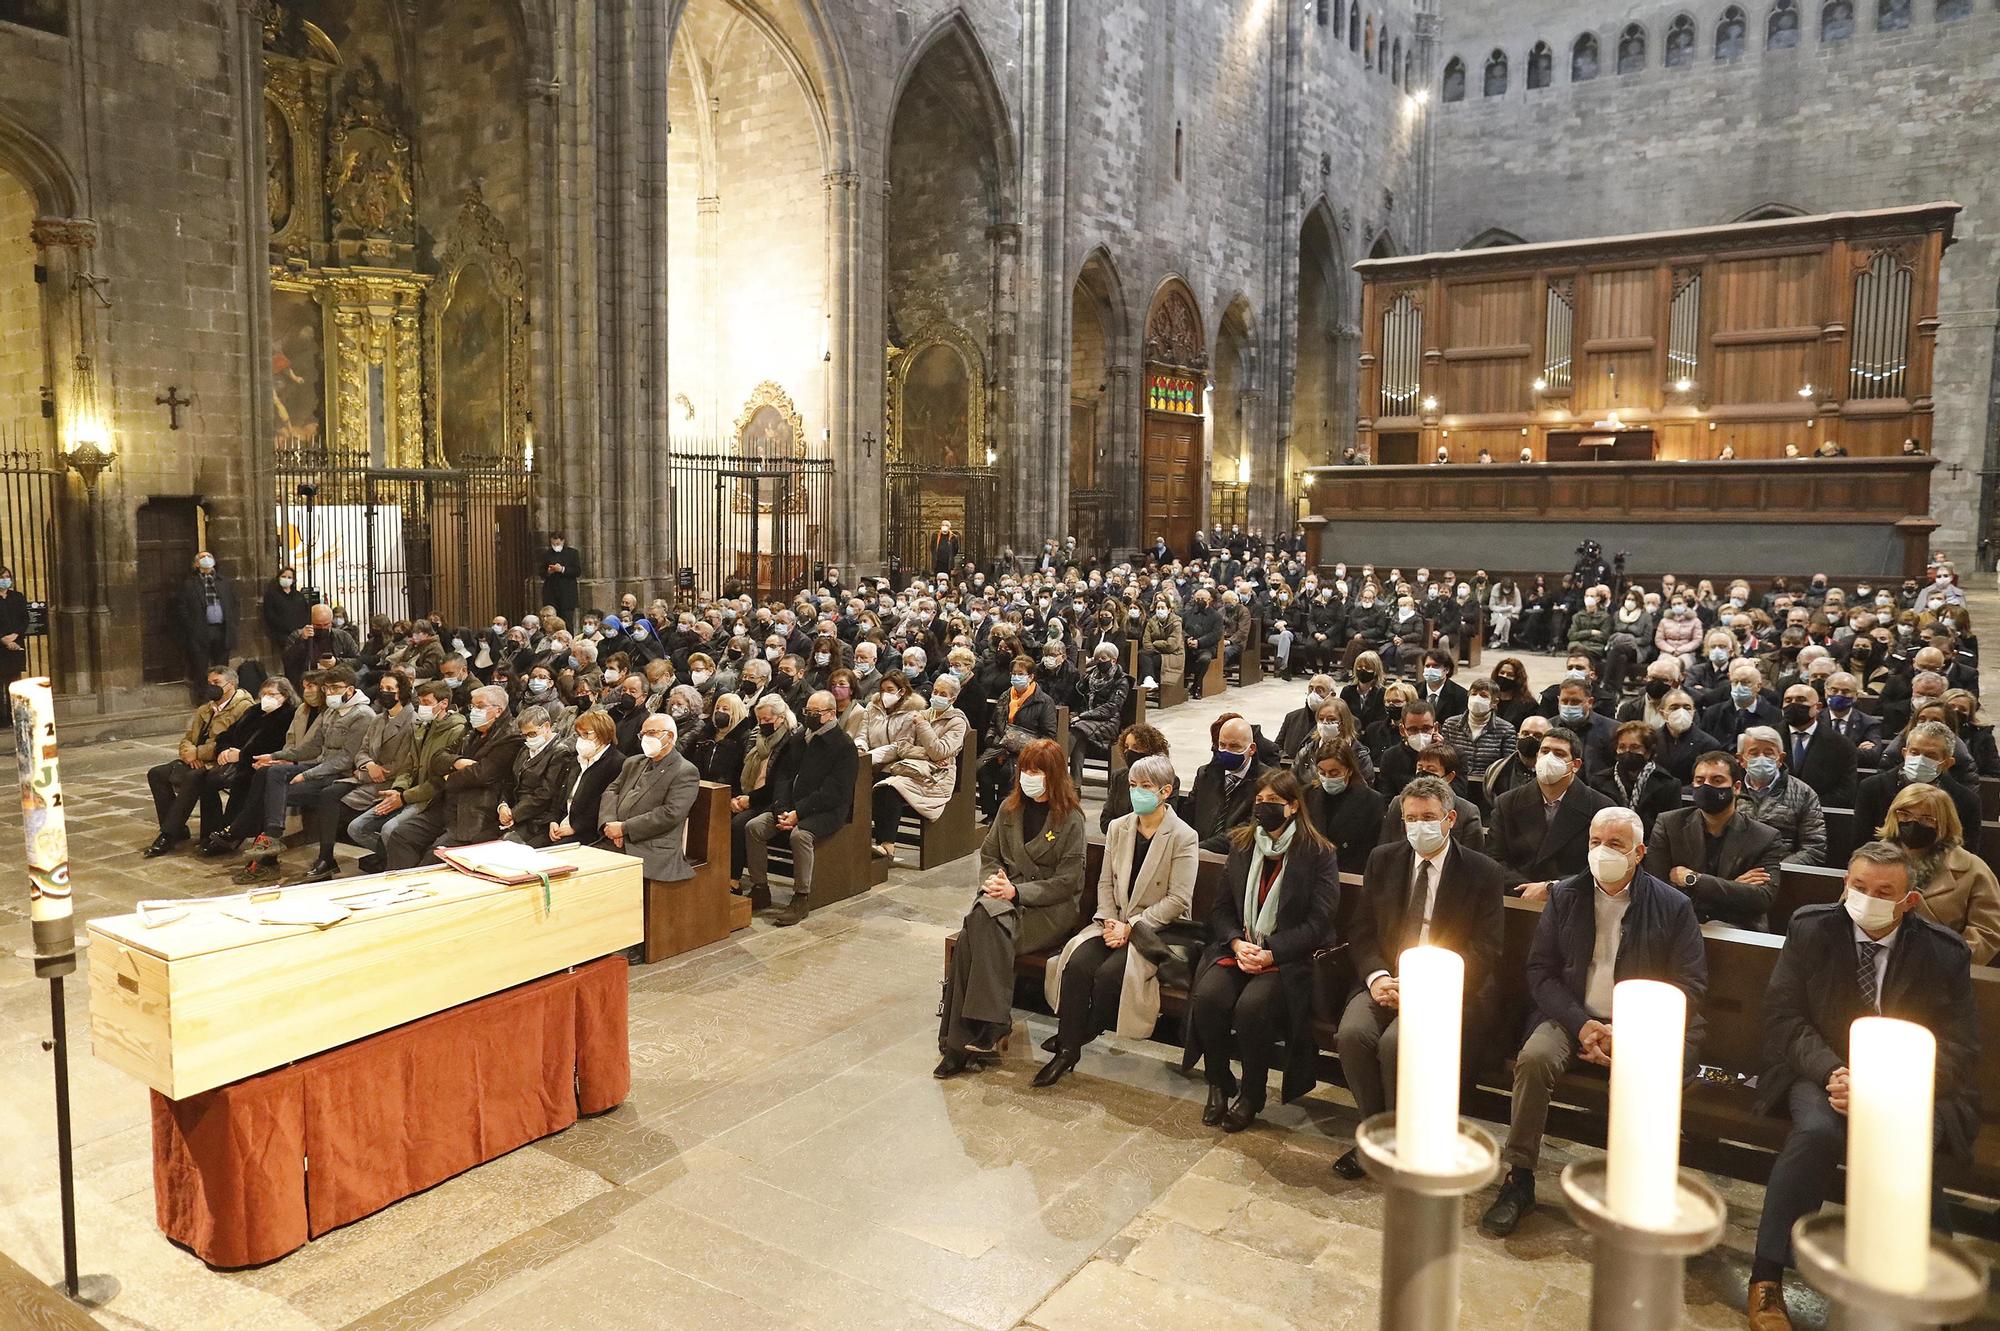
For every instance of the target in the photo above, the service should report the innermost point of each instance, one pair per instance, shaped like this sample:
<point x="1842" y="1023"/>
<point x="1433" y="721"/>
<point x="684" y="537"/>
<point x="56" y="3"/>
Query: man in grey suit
<point x="645" y="808"/>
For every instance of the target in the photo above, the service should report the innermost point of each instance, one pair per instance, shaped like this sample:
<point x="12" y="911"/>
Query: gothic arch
<point x="1321" y="408"/>
<point x="30" y="160"/>
<point x="1768" y="211"/>
<point x="1492" y="238"/>
<point x="1102" y="399"/>
<point x="984" y="111"/>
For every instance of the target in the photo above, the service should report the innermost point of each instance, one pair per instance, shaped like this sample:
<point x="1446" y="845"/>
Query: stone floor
<point x="786" y="1160"/>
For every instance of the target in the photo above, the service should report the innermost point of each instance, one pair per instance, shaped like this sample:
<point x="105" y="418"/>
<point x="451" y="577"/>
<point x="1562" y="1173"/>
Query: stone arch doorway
<point x="1238" y="465"/>
<point x="1100" y="402"/>
<point x="1176" y="407"/>
<point x="1322" y="392"/>
<point x="952" y="242"/>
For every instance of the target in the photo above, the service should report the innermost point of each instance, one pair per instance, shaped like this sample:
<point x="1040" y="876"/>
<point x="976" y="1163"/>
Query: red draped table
<point x="386" y="1117"/>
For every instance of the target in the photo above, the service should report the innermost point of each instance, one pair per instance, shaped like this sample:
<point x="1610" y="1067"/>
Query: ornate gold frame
<point x="475" y="236"/>
<point x="936" y="330"/>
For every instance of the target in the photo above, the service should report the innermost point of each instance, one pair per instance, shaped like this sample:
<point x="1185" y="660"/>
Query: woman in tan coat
<point x="1959" y="891"/>
<point x="1109" y="972"/>
<point x="922" y="773"/>
<point x="888" y="721"/>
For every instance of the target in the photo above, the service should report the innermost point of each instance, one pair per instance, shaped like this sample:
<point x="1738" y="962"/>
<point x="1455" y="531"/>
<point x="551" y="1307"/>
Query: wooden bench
<point x="1989" y="797"/>
<point x="954" y="833"/>
<point x="1250" y="661"/>
<point x="844" y="864"/>
<point x="683" y="916"/>
<point x="1213" y="682"/>
<point x="1840" y="835"/>
<point x="1804" y="885"/>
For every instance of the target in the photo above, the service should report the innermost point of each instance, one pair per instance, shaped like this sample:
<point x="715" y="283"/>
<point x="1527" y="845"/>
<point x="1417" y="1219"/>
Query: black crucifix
<point x="173" y="402"/>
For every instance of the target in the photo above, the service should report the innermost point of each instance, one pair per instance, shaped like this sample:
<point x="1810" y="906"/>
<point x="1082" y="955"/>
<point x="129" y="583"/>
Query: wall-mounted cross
<point x="173" y="402"/>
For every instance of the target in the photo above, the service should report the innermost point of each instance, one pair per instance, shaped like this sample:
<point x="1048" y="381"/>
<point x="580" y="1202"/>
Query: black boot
<point x="320" y="870"/>
<point x="1056" y="1069"/>
<point x="1217" y="1106"/>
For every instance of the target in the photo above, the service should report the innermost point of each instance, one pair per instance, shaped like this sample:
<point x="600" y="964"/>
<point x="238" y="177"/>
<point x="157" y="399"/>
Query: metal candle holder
<point x="1421" y="1223"/>
<point x="1954" y="1289"/>
<point x="1637" y="1274"/>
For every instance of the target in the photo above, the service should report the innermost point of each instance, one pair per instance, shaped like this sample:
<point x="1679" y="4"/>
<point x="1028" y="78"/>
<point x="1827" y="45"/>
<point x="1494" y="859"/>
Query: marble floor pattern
<point x="786" y="1160"/>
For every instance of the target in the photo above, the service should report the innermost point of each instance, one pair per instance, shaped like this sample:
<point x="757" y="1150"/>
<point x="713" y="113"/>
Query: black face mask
<point x="1393" y="713"/>
<point x="768" y="727"/>
<point x="1271" y="817"/>
<point x="1365" y="676"/>
<point x="1714" y="799"/>
<point x="1657" y="689"/>
<point x="1917" y="836"/>
<point x="1631" y="764"/>
<point x="213" y="693"/>
<point x="1528" y="746"/>
<point x="1798" y="714"/>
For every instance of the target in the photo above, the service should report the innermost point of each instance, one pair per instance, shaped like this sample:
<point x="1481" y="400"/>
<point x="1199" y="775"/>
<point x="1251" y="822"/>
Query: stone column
<point x="851" y="411"/>
<point x="82" y="616"/>
<point x="259" y="529"/>
<point x="1020" y="452"/>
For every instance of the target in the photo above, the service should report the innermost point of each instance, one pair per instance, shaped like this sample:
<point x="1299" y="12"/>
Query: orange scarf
<point x="1014" y="700"/>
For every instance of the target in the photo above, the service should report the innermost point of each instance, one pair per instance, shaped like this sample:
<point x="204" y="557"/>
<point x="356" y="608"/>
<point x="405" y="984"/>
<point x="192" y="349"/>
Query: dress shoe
<point x="1217" y="1106"/>
<point x="1050" y="1045"/>
<point x="217" y="845"/>
<point x="1516" y="1199"/>
<point x="1241" y="1115"/>
<point x="1767" y="1307"/>
<point x="1055" y="1069"/>
<point x="320" y="871"/>
<point x="794" y="912"/>
<point x="162" y="844"/>
<point x="372" y="863"/>
<point x="1349" y="1164"/>
<point x="950" y="1066"/>
<point x="990" y="1042"/>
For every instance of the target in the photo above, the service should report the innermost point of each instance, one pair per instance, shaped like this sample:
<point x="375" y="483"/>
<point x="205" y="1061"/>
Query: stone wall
<point x="23" y="364"/>
<point x="1879" y="119"/>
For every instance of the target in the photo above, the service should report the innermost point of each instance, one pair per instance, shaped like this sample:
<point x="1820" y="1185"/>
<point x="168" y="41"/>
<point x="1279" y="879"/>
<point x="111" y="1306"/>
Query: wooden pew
<point x="1989" y="797"/>
<point x="1212" y="681"/>
<point x="1988" y="848"/>
<point x="954" y="833"/>
<point x="1250" y="664"/>
<point x="1804" y="885"/>
<point x="681" y="917"/>
<point x="1841" y="834"/>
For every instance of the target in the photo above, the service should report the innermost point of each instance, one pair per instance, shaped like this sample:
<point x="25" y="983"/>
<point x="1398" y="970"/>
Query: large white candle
<point x="49" y="908"/>
<point x="1649" y="1030"/>
<point x="1892" y="1070"/>
<point x="1431" y="984"/>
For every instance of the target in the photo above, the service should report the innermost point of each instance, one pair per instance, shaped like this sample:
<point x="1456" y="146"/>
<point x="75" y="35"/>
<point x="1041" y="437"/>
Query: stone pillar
<point x="1123" y="454"/>
<point x="708" y="243"/>
<point x="853" y="388"/>
<point x="546" y="306"/>
<point x="259" y="529"/>
<point x="1020" y="446"/>
<point x="82" y="616"/>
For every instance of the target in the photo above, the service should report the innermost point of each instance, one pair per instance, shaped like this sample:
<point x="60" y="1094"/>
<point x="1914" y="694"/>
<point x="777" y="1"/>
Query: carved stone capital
<point x="547" y="91"/>
<point x="68" y="233"/>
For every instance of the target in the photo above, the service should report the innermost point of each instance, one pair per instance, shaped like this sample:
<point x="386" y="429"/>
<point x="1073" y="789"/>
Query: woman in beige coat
<point x="922" y="773"/>
<point x="1147" y="883"/>
<point x="1958" y="889"/>
<point x="1162" y="645"/>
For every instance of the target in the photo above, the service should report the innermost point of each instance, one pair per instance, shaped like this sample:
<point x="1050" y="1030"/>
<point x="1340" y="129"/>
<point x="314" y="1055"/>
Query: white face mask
<point x="1679" y="719"/>
<point x="653" y="745"/>
<point x="286" y="583"/>
<point x="1870" y="913"/>
<point x="1425" y="837"/>
<point x="1419" y="741"/>
<point x="270" y="702"/>
<point x="1034" y="785"/>
<point x="1477" y="707"/>
<point x="1608" y="865"/>
<point x="536" y="743"/>
<point x="587" y="748"/>
<point x="1550" y="768"/>
<point x="479" y="716"/>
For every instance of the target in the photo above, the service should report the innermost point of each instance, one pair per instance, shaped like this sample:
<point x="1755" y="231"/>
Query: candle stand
<point x="1954" y="1289"/>
<point x="1637" y="1274"/>
<point x="1422" y="1221"/>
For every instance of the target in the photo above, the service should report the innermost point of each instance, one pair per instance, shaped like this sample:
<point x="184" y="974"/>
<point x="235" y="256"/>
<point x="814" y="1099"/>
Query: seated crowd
<point x="1692" y="749"/>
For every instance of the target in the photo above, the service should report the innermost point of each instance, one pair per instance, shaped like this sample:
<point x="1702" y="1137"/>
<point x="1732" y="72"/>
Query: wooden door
<point x="169" y="533"/>
<point x="1172" y="479"/>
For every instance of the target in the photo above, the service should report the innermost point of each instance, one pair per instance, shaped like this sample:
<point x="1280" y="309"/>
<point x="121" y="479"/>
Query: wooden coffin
<point x="206" y="999"/>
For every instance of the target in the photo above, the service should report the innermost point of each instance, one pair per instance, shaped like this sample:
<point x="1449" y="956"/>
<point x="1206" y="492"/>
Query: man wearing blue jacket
<point x="1612" y="922"/>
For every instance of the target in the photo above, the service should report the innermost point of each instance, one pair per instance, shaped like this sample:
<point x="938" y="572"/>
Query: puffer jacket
<point x="1679" y="637"/>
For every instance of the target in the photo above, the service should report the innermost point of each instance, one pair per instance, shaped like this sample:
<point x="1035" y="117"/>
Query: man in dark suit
<point x="1577" y="710"/>
<point x="818" y="803"/>
<point x="1421" y="888"/>
<point x="1445" y="694"/>
<point x="1869" y="954"/>
<point x="1928" y="755"/>
<point x="1224" y="786"/>
<point x="1744" y="707"/>
<point x="467" y="809"/>
<point x="1541" y="829"/>
<point x="204" y="617"/>
<point x="1398" y="764"/>
<point x="1203" y="627"/>
<point x="1570" y="978"/>
<point x="646" y="806"/>
<point x="561" y="567"/>
<point x="944" y="549"/>
<point x="1715" y="851"/>
<point x="1813" y="752"/>
<point x="1845" y="718"/>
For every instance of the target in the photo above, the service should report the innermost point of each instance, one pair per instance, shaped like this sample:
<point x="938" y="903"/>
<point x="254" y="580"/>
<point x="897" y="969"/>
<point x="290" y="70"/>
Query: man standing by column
<point x="561" y="567"/>
<point x="205" y="620"/>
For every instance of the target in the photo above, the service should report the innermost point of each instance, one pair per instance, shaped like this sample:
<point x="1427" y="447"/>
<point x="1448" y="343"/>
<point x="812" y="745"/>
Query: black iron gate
<point x="408" y="541"/>
<point x="31" y="481"/>
<point x="921" y="497"/>
<point x="745" y="523"/>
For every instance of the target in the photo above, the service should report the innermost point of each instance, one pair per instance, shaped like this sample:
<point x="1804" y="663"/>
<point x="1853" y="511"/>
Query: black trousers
<point x="1254" y="1006"/>
<point x="1091" y="983"/>
<point x="178" y="790"/>
<point x="738" y="844"/>
<point x="996" y="778"/>
<point x="1197" y="670"/>
<point x="329" y="817"/>
<point x="1149" y="666"/>
<point x="890" y="806"/>
<point x="1802" y="1177"/>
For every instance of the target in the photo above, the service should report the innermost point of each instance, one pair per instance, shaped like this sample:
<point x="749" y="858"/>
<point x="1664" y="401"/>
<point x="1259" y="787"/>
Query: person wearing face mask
<point x="886" y="728"/>
<point x="545" y="771"/>
<point x="1097" y="708"/>
<point x="297" y="777"/>
<point x="1513" y="701"/>
<point x="921" y="776"/>
<point x="1590" y="628"/>
<point x="183" y="784"/>
<point x="1133" y="743"/>
<point x="1927" y="758"/>
<point x="1031" y="886"/>
<point x="1421" y="888"/>
<point x="1226" y="785"/>
<point x="285" y="607"/>
<point x="1577" y="710"/>
<point x="1517" y="768"/>
<point x="770" y="760"/>
<point x="436" y="732"/>
<point x="264" y="727"/>
<point x="1715" y="851"/>
<point x="1708" y="679"/>
<point x="1108" y="975"/>
<point x="562" y="567"/>
<point x="1682" y="739"/>
<point x="1056" y="677"/>
<point x="1296" y="731"/>
<point x="1162" y="647"/>
<point x="1663" y="676"/>
<point x="1957" y="888"/>
<point x="1871" y="953"/>
<point x="386" y="754"/>
<point x="1679" y="633"/>
<point x="717" y="751"/>
<point x="1480" y="733"/>
<point x="816" y="802"/>
<point x="1815" y="755"/>
<point x="1275" y="908"/>
<point x="1446" y="696"/>
<point x="574" y="815"/>
<point x="625" y="703"/>
<point x="1540" y="829"/>
<point x="1844" y="717"/>
<point x="1409" y="632"/>
<point x="1364" y="695"/>
<point x="1611" y="922"/>
<point x="316" y="639"/>
<point x="1396" y="763"/>
<point x="644" y="810"/>
<point x="466" y="809"/>
<point x="1441" y="762"/>
<point x="203" y="615"/>
<point x="1775" y="798"/>
<point x="1203" y="629"/>
<point x="1634" y="779"/>
<point x="1743" y="707"/>
<point x="1023" y="715"/>
<point x="1341" y="803"/>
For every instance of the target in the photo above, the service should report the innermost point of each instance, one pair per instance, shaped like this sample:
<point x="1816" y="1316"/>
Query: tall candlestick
<point x="1431" y="988"/>
<point x="1892" y="1069"/>
<point x="49" y="908"/>
<point x="1649" y="1031"/>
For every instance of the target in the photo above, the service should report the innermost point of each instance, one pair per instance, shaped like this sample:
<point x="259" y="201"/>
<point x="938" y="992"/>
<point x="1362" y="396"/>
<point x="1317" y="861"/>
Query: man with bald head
<point x="1612" y="922"/>
<point x="811" y="803"/>
<point x="1226" y="784"/>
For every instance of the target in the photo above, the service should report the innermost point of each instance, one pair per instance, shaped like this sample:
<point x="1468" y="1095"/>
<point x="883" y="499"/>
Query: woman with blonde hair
<point x="1958" y="889"/>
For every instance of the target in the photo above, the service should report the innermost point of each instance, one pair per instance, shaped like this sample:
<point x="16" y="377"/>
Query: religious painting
<point x="766" y="435"/>
<point x="937" y="407"/>
<point x="298" y="369"/>
<point x="277" y="167"/>
<point x="473" y="351"/>
<point x="47" y="15"/>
